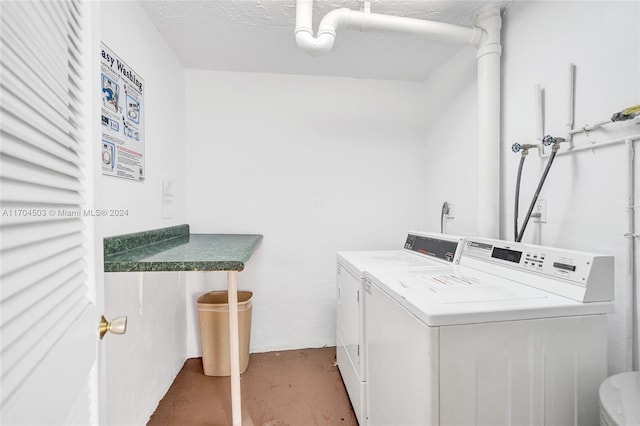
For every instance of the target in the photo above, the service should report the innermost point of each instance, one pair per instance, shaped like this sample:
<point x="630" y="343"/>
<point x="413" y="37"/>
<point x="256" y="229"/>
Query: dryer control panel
<point x="581" y="276"/>
<point x="444" y="247"/>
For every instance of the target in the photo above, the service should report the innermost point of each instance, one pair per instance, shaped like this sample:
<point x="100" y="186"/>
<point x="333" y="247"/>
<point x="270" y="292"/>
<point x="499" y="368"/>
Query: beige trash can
<point x="213" y="313"/>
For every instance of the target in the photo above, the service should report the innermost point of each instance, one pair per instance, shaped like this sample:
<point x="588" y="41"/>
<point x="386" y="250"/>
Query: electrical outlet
<point x="540" y="211"/>
<point x="452" y="211"/>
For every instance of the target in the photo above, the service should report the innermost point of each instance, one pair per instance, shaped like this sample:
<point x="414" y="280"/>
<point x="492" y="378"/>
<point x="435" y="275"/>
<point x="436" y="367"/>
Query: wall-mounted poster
<point x="122" y="139"/>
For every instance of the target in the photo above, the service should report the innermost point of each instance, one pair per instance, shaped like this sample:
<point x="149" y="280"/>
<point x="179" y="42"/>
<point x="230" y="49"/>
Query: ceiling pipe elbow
<point x="314" y="45"/>
<point x="332" y="20"/>
<point x="478" y="35"/>
<point x="323" y="43"/>
<point x="490" y="22"/>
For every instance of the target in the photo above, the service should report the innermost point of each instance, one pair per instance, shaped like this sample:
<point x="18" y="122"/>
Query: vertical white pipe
<point x="488" y="59"/>
<point x="572" y="103"/>
<point x="234" y="349"/>
<point x="572" y="99"/>
<point x="539" y="113"/>
<point x="632" y="330"/>
<point x="304" y="15"/>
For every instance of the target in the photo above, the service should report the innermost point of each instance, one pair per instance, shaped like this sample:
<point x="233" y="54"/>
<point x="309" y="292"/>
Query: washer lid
<point x="360" y="261"/>
<point x="466" y="286"/>
<point x="619" y="396"/>
<point x="484" y="294"/>
<point x="453" y="295"/>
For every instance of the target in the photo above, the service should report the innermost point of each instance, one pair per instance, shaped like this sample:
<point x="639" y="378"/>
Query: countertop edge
<point x="126" y="242"/>
<point x="203" y="266"/>
<point x="118" y="261"/>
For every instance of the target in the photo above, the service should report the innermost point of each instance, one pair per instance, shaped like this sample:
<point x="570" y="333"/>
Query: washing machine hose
<point x="537" y="193"/>
<point x="517" y="199"/>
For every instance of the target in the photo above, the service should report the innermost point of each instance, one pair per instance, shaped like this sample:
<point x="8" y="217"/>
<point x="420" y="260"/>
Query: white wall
<point x="451" y="144"/>
<point x="127" y="31"/>
<point x="316" y="165"/>
<point x="140" y="366"/>
<point x="585" y="193"/>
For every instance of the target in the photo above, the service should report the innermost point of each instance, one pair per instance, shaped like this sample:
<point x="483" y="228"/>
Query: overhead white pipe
<point x="486" y="37"/>
<point x="353" y="19"/>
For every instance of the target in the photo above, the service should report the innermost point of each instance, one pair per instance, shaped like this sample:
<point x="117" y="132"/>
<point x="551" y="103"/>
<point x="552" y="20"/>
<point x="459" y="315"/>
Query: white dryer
<point x="420" y="250"/>
<point x="516" y="334"/>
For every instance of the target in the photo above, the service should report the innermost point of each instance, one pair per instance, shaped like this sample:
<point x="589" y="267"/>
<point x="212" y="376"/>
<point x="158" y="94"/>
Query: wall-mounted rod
<point x="588" y="128"/>
<point x="485" y="36"/>
<point x="593" y="146"/>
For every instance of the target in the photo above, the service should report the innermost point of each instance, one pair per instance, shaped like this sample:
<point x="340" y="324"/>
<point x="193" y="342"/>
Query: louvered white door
<point x="47" y="320"/>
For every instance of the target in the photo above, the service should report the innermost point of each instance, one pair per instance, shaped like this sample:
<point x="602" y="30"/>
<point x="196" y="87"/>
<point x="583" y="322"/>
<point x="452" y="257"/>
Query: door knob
<point x="117" y="326"/>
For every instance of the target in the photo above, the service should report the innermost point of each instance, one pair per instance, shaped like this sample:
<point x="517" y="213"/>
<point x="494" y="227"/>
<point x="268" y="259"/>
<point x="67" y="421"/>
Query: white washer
<point x="516" y="334"/>
<point x="420" y="250"/>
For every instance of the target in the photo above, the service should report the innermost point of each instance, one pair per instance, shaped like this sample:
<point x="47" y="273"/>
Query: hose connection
<point x="550" y="140"/>
<point x="517" y="147"/>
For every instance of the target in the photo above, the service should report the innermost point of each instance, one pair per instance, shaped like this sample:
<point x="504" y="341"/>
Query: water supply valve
<point x="516" y="147"/>
<point x="549" y="140"/>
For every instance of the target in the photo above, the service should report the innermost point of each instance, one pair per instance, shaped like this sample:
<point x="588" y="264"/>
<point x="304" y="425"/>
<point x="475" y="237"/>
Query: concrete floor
<point x="288" y="388"/>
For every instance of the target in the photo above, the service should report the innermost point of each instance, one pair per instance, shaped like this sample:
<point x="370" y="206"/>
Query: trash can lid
<point x="619" y="396"/>
<point x="221" y="297"/>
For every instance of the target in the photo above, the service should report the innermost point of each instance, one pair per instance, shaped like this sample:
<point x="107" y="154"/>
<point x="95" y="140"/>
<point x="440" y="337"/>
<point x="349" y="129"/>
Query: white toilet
<point x="620" y="400"/>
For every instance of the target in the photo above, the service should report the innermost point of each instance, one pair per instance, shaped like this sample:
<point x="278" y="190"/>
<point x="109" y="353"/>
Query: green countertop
<point x="175" y="249"/>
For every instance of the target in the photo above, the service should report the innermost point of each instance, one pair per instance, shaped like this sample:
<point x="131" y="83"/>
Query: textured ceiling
<point x="257" y="36"/>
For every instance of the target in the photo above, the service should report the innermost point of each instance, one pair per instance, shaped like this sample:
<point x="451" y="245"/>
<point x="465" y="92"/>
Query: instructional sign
<point x="122" y="118"/>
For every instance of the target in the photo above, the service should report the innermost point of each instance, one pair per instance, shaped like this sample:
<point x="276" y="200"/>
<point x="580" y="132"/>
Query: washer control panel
<point x="556" y="265"/>
<point x="534" y="260"/>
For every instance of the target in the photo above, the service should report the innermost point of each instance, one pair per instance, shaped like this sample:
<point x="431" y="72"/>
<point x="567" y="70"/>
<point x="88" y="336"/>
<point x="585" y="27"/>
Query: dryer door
<point x="349" y="316"/>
